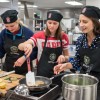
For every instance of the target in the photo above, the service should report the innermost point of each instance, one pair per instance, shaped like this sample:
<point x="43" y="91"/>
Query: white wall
<point x="7" y="6"/>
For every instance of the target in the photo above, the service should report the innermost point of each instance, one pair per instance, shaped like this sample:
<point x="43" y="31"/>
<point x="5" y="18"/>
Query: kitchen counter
<point x="11" y="80"/>
<point x="53" y="93"/>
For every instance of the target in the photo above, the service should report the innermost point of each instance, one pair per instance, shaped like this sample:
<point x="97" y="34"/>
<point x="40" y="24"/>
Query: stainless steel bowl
<point x="22" y="89"/>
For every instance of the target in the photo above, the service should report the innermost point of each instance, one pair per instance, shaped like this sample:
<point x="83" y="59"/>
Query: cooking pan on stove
<point x="47" y="82"/>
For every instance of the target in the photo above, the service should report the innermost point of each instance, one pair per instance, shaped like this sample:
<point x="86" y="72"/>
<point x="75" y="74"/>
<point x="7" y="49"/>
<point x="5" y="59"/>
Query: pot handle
<point x="72" y="89"/>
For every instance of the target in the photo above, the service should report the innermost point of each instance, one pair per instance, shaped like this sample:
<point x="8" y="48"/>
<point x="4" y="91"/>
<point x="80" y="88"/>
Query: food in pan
<point x="38" y="83"/>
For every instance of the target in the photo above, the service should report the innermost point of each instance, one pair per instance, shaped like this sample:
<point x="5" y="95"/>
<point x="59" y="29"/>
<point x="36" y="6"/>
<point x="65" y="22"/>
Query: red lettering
<point x="48" y="44"/>
<point x="58" y="44"/>
<point x="42" y="44"/>
<point x="54" y="44"/>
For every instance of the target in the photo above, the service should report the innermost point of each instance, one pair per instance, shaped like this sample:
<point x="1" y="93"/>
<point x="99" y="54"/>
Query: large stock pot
<point x="79" y="87"/>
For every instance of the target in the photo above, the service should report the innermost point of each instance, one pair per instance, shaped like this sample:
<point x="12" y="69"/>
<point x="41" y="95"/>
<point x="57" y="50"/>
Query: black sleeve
<point x="2" y="50"/>
<point x="34" y="53"/>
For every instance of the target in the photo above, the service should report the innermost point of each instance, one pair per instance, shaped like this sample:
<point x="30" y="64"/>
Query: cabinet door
<point x="38" y="25"/>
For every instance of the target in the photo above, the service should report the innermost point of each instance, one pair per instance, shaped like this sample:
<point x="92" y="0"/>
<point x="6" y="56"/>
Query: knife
<point x="6" y="73"/>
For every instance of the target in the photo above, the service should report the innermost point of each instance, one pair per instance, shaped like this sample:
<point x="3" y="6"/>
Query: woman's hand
<point x="59" y="68"/>
<point x="28" y="50"/>
<point x="61" y="59"/>
<point x="20" y="61"/>
<point x="62" y="67"/>
<point x="26" y="47"/>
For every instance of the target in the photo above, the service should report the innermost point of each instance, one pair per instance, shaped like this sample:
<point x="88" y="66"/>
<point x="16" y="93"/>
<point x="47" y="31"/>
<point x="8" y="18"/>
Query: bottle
<point x="70" y="35"/>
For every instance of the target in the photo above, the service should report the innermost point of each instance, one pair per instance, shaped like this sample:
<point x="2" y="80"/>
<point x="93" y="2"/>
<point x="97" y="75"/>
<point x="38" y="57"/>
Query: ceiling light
<point x="35" y="6"/>
<point x="22" y="7"/>
<point x="29" y="6"/>
<point x="73" y="3"/>
<point x="19" y="3"/>
<point x="4" y="1"/>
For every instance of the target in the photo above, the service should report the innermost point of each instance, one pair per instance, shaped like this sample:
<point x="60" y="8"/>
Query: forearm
<point x="22" y="45"/>
<point x="66" y="58"/>
<point x="68" y="66"/>
<point x="62" y="67"/>
<point x="66" y="55"/>
<point x="19" y="62"/>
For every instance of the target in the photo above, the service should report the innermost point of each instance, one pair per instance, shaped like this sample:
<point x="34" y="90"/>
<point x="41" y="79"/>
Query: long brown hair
<point x="96" y="23"/>
<point x="58" y="34"/>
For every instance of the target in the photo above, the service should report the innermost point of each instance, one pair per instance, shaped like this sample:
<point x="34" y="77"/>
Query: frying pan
<point x="47" y="82"/>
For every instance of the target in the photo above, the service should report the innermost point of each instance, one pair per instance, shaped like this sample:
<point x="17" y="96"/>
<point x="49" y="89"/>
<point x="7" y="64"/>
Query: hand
<point x="28" y="50"/>
<point x="59" y="68"/>
<point x="20" y="61"/>
<point x="61" y="59"/>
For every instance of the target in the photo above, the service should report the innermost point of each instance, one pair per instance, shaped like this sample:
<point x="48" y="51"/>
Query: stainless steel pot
<point x="79" y="87"/>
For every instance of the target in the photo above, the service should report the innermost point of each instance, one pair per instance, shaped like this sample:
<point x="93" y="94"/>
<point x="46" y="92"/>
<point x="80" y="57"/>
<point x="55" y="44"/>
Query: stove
<point x="52" y="93"/>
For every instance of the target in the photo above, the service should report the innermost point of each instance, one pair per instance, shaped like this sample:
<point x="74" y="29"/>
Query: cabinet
<point x="39" y="24"/>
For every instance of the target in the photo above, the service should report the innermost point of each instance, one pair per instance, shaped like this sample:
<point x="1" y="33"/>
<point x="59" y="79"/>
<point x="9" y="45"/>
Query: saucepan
<point x="47" y="82"/>
<point x="79" y="87"/>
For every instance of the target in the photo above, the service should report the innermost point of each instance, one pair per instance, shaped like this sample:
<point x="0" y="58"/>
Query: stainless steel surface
<point x="79" y="87"/>
<point x="50" y="94"/>
<point x="22" y="89"/>
<point x="6" y="73"/>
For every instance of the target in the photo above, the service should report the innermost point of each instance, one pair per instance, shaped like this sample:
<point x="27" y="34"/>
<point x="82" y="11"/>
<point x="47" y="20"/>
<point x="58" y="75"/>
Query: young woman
<point x="52" y="45"/>
<point x="10" y="37"/>
<point x="88" y="45"/>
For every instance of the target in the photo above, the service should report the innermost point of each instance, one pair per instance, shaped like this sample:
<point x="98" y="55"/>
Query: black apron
<point x="90" y="63"/>
<point x="13" y="53"/>
<point x="48" y="54"/>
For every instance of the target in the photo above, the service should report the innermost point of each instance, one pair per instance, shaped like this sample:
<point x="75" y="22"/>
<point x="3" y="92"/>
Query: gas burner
<point x="39" y="93"/>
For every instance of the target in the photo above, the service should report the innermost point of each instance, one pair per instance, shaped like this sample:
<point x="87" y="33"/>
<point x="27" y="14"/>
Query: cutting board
<point x="12" y="84"/>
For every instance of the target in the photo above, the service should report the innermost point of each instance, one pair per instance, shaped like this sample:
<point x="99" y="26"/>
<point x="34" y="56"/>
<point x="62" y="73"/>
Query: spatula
<point x="30" y="77"/>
